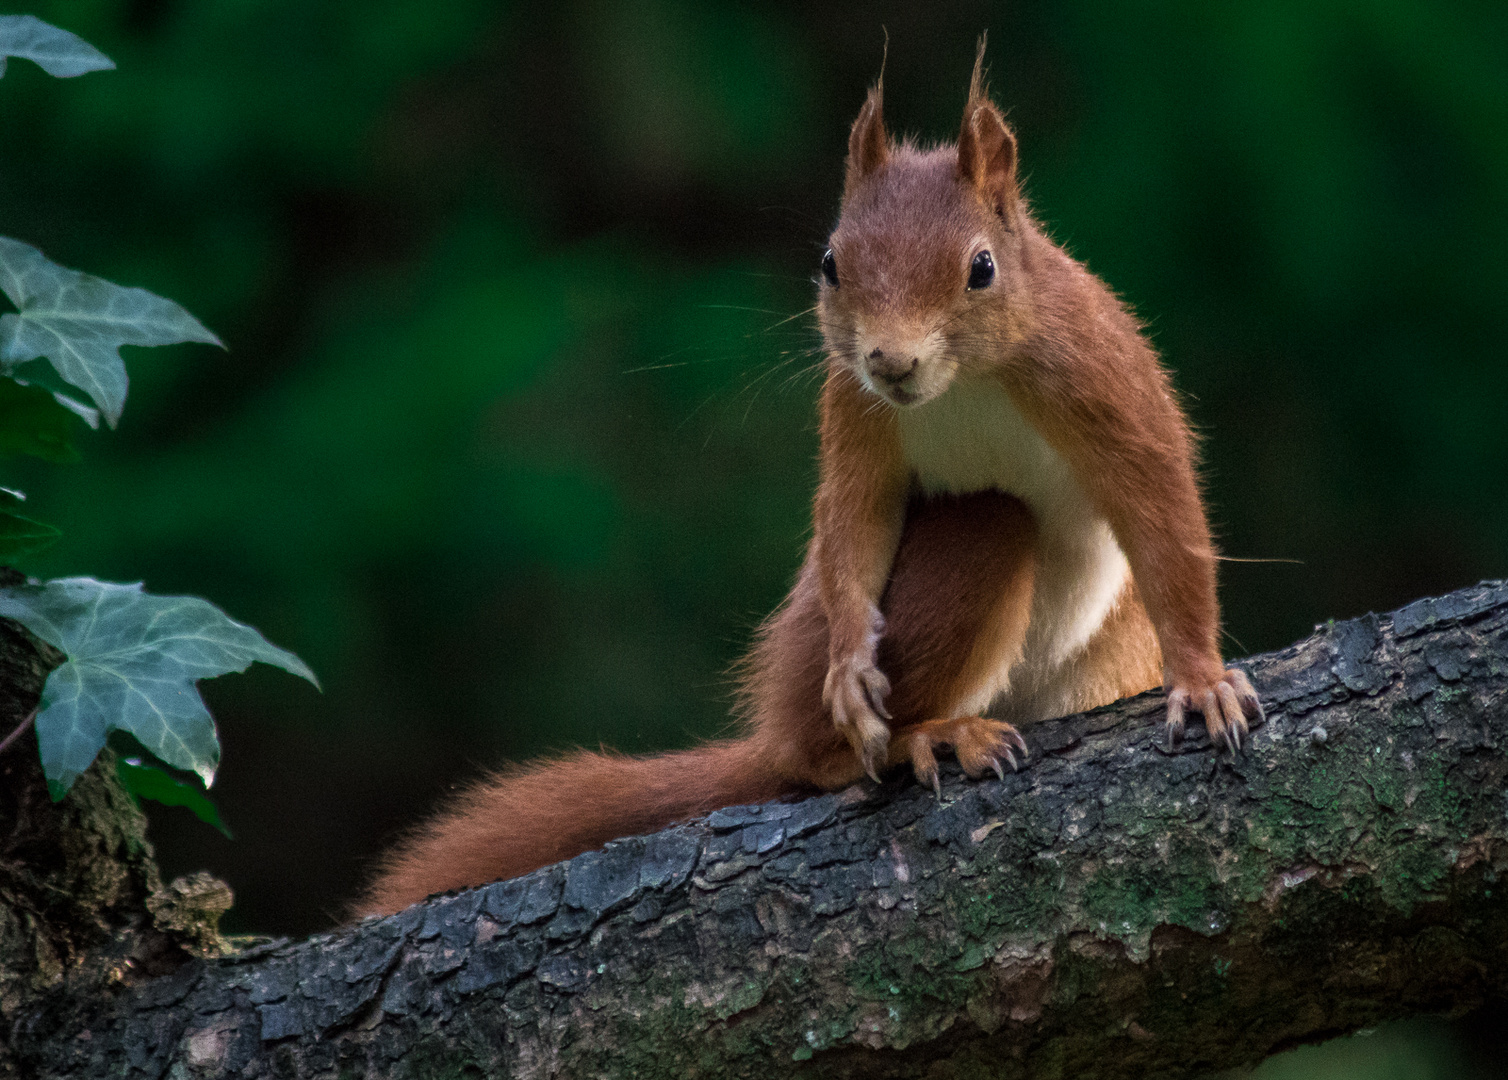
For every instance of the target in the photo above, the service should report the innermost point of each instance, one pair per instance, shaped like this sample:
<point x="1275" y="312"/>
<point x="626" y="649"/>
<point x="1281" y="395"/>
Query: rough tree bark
<point x="1113" y="910"/>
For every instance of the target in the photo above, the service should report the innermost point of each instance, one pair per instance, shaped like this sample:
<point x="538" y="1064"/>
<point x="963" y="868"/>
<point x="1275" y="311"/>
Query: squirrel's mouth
<point x="902" y="368"/>
<point x="905" y="391"/>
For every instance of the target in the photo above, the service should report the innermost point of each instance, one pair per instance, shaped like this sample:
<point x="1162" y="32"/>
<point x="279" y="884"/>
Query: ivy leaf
<point x="80" y="322"/>
<point x="88" y="414"/>
<point x="132" y="662"/>
<point x="21" y="535"/>
<point x="55" y="51"/>
<point x="149" y="782"/>
<point x="33" y="421"/>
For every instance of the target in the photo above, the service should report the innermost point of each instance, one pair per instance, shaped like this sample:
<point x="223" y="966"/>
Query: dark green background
<point x="514" y="439"/>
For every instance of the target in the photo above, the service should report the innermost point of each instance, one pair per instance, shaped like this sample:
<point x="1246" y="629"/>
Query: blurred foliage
<point x="514" y="440"/>
<point x="1424" y="1048"/>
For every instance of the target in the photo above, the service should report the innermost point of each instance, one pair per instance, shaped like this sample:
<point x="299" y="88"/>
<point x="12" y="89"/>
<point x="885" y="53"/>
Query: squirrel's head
<point x="922" y="277"/>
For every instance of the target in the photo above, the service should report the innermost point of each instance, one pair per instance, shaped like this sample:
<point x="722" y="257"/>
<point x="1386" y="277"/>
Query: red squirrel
<point x="1007" y="519"/>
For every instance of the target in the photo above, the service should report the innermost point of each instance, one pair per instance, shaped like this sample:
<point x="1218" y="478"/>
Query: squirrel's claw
<point x="980" y="743"/>
<point x="1228" y="706"/>
<point x="1178" y="702"/>
<point x="1013" y="737"/>
<point x="876" y="687"/>
<point x="924" y="764"/>
<point x="855" y="692"/>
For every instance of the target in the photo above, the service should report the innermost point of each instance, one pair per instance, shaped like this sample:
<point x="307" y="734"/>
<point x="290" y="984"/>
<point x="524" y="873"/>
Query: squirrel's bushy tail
<point x="540" y="813"/>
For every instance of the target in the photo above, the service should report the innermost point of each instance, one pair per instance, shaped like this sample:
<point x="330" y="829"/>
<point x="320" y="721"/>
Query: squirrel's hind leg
<point x="956" y="611"/>
<point x="957" y="604"/>
<point x="980" y="743"/>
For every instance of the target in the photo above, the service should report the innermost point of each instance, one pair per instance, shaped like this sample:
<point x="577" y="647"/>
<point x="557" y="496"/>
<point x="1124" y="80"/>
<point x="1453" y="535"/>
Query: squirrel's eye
<point x="830" y="268"/>
<point x="982" y="272"/>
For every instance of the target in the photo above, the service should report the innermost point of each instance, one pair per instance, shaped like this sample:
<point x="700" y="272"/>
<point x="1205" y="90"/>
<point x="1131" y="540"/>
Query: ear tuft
<point x="978" y="91"/>
<point x="868" y="145"/>
<point x="986" y="145"/>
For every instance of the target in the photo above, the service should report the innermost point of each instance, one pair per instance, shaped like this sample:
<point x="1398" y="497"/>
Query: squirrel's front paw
<point x="855" y="692"/>
<point x="1227" y="704"/>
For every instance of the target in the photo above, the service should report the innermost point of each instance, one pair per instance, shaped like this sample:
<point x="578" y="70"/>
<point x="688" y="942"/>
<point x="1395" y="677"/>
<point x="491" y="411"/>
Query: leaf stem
<point x="14" y="735"/>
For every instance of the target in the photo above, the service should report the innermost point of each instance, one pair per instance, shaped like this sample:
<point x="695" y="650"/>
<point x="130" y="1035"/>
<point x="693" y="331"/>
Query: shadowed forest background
<point x="514" y="441"/>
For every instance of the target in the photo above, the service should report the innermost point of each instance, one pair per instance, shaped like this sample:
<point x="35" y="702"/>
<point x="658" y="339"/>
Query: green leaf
<point x="132" y="662"/>
<point x="148" y="782"/>
<point x="80" y="322"/>
<point x="21" y="536"/>
<point x="87" y="413"/>
<point x="33" y="421"/>
<point x="55" y="51"/>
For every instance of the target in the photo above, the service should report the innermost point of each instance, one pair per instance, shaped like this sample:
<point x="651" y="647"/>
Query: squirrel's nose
<point x="891" y="368"/>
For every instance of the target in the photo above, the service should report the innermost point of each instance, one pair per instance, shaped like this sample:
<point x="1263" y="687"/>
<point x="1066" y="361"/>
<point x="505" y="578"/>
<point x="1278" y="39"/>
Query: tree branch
<point x="1113" y="910"/>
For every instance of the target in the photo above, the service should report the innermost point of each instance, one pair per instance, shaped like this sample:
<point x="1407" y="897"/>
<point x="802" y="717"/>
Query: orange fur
<point x="1007" y="517"/>
<point x="527" y="817"/>
<point x="1038" y="382"/>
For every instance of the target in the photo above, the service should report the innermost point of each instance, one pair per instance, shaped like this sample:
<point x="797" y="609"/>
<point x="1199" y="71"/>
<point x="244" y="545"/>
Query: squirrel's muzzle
<point x="891" y="367"/>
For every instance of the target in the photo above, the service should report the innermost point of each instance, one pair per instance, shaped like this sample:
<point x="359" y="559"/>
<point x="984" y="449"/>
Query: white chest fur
<point x="973" y="438"/>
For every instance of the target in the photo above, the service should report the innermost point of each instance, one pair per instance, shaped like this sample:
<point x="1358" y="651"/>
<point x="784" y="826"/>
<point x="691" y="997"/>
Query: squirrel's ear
<point x="868" y="145"/>
<point x="986" y="145"/>
<point x="987" y="156"/>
